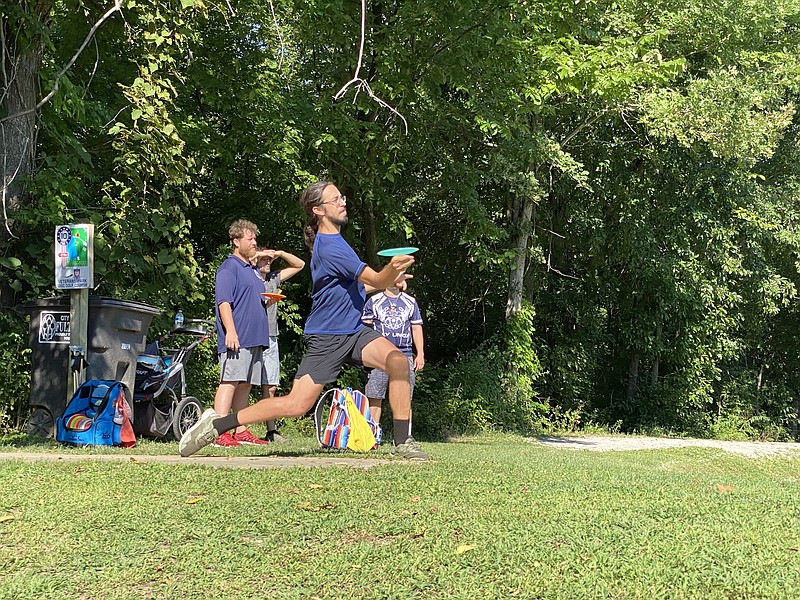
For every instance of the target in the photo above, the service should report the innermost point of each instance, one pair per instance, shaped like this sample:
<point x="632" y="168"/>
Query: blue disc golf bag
<point x="95" y="414"/>
<point x="333" y="423"/>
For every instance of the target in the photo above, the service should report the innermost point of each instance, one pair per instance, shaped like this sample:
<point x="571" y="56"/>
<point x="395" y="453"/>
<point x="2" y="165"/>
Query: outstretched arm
<point x="295" y="264"/>
<point x="375" y="281"/>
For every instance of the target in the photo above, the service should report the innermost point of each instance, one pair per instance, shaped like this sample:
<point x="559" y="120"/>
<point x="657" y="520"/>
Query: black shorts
<point x="326" y="353"/>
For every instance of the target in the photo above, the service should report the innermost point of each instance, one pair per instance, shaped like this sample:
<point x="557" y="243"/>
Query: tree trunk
<point x="521" y="213"/>
<point x="633" y="377"/>
<point x="20" y="64"/>
<point x="657" y="357"/>
<point x="18" y="133"/>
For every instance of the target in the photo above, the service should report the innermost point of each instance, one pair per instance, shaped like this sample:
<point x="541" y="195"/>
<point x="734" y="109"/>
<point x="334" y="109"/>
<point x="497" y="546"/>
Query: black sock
<point x="224" y="424"/>
<point x="400" y="431"/>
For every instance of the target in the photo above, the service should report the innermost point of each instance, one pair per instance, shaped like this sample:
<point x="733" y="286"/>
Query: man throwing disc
<point x="334" y="332"/>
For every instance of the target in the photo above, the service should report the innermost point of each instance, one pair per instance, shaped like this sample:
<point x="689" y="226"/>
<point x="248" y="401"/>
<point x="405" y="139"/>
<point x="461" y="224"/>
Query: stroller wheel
<point x="186" y="414"/>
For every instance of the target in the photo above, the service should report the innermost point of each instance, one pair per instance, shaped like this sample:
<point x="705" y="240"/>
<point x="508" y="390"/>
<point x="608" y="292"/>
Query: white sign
<point x="74" y="256"/>
<point x="54" y="327"/>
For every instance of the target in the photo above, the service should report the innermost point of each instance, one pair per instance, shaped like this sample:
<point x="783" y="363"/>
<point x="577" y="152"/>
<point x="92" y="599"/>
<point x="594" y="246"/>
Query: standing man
<point x="272" y="280"/>
<point x="395" y="315"/>
<point x="334" y="332"/>
<point x="242" y="330"/>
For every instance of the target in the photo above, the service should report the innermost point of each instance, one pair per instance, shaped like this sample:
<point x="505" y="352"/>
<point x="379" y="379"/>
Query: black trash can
<point x="116" y="335"/>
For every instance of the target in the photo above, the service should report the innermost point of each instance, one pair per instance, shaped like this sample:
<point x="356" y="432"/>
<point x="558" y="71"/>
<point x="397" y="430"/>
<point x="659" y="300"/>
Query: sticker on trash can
<point x="53" y="327"/>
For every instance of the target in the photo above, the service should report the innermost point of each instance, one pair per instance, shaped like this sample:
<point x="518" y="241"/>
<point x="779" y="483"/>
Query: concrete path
<point x="229" y="462"/>
<point x="607" y="443"/>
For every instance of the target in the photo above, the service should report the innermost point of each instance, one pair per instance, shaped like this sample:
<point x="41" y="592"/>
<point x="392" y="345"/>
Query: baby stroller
<point x="162" y="407"/>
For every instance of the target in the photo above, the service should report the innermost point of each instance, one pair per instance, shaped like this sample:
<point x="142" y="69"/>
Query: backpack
<point x="97" y="415"/>
<point x="334" y="432"/>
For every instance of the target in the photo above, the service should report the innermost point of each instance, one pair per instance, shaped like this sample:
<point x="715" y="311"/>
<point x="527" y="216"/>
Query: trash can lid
<point x="32" y="306"/>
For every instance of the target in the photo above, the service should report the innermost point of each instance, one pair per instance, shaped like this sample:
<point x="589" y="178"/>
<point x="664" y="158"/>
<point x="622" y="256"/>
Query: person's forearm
<point x="291" y="259"/>
<point x="226" y="316"/>
<point x="419" y="340"/>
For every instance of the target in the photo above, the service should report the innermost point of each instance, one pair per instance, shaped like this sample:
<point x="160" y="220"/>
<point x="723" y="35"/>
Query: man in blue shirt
<point x="335" y="334"/>
<point x="242" y="330"/>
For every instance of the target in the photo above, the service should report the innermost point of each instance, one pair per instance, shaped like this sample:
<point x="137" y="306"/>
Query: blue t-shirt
<point x="337" y="296"/>
<point x="239" y="284"/>
<point x="393" y="318"/>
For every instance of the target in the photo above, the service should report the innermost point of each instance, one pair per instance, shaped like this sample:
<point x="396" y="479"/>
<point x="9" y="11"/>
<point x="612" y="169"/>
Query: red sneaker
<point x="245" y="437"/>
<point x="225" y="441"/>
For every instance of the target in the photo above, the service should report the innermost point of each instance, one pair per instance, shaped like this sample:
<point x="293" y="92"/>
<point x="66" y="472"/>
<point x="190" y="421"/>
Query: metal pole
<point x="78" y="338"/>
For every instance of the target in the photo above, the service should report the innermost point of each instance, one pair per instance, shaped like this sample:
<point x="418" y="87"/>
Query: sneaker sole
<point x="419" y="458"/>
<point x="186" y="447"/>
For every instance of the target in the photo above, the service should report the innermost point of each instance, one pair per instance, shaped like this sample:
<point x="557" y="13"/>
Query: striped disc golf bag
<point x="332" y="421"/>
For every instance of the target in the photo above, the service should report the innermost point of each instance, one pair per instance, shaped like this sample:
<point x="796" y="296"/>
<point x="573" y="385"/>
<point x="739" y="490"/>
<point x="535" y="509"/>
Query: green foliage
<point x="636" y="162"/>
<point x="485" y="388"/>
<point x="14" y="372"/>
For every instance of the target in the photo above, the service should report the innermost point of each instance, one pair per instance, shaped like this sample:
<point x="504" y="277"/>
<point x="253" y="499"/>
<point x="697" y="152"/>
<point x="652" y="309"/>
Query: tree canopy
<point x="604" y="192"/>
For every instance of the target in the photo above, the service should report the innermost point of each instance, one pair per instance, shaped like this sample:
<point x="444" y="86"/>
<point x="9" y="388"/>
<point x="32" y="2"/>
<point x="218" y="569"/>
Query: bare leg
<point x="223" y="399"/>
<point x="375" y="405"/>
<point x="384" y="355"/>
<point x="241" y="400"/>
<point x="267" y="392"/>
<point x="295" y="404"/>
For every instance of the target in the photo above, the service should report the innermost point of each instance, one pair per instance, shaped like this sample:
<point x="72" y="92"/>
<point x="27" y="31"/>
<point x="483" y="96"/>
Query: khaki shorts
<point x="272" y="362"/>
<point x="247" y="365"/>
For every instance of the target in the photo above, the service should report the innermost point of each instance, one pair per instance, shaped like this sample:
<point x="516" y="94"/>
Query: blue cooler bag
<point x="95" y="414"/>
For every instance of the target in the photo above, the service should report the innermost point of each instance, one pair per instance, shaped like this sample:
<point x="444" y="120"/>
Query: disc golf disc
<point x="271" y="296"/>
<point x="397" y="251"/>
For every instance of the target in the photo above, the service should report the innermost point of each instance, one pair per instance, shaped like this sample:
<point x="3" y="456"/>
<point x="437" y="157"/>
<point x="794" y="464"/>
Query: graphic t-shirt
<point x="337" y="297"/>
<point x="239" y="284"/>
<point x="393" y="318"/>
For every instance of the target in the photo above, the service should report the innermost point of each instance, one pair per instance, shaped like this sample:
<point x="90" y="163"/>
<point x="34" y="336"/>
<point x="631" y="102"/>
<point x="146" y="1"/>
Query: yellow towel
<point x="361" y="438"/>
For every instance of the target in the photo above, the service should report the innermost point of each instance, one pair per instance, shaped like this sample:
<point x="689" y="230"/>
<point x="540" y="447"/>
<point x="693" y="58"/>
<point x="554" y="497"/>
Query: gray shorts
<point x="246" y="365"/>
<point x="326" y="353"/>
<point x="378" y="381"/>
<point x="272" y="361"/>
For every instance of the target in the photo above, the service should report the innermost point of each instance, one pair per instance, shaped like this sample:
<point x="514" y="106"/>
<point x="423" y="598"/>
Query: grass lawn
<point x="491" y="517"/>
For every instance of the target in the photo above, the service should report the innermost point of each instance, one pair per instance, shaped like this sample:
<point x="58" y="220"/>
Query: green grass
<point x="492" y="517"/>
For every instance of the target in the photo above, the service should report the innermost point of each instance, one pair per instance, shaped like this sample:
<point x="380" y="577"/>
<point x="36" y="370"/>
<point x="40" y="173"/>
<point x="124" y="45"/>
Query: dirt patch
<point x="230" y="462"/>
<point x="620" y="443"/>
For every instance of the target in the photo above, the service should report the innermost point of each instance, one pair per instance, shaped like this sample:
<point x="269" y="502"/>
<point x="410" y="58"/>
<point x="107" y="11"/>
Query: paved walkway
<point x="606" y="443"/>
<point x="229" y="462"/>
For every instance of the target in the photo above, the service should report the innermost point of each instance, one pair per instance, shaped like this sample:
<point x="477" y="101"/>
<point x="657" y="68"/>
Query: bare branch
<point x="361" y="84"/>
<point x="106" y="16"/>
<point x="280" y="37"/>
<point x="551" y="268"/>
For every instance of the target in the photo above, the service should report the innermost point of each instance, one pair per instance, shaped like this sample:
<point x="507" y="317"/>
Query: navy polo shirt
<point x="240" y="284"/>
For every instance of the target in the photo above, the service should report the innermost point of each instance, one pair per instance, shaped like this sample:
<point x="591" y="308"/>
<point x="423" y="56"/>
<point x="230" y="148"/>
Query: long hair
<point x="311" y="197"/>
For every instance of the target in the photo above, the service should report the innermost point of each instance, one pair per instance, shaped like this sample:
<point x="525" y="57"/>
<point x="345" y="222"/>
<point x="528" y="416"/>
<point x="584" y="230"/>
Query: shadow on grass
<point x="23" y="440"/>
<point x="573" y="441"/>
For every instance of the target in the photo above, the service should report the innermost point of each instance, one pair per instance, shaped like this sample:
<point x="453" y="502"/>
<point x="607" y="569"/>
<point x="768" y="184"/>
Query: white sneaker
<point x="199" y="435"/>
<point x="411" y="450"/>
